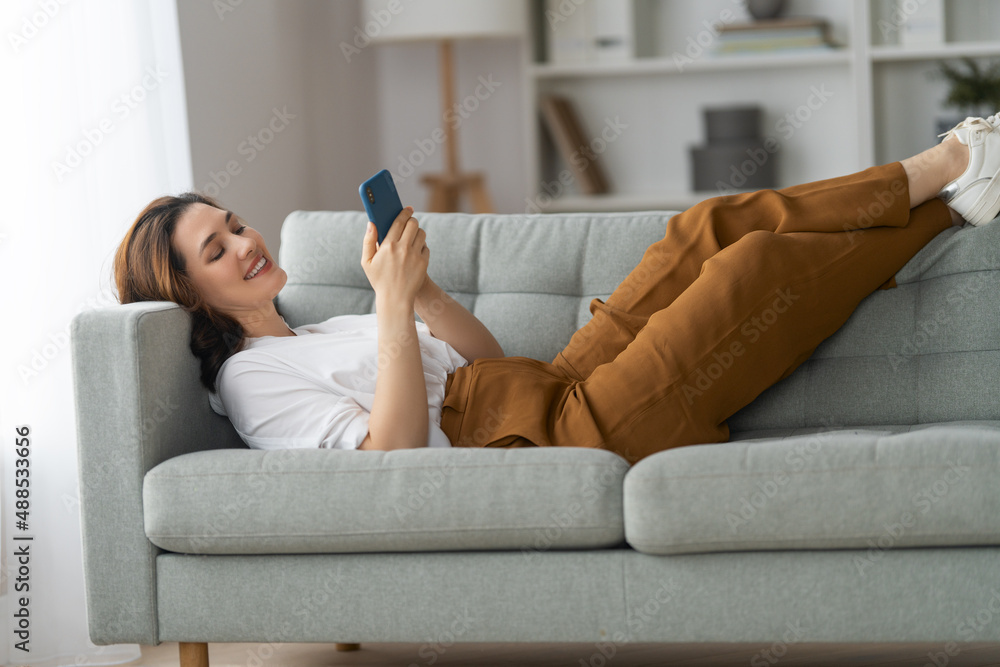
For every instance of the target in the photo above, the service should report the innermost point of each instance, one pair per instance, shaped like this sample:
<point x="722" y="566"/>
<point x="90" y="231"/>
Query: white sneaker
<point x="975" y="195"/>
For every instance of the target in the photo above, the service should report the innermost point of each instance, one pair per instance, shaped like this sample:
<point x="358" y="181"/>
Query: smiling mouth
<point x="257" y="268"/>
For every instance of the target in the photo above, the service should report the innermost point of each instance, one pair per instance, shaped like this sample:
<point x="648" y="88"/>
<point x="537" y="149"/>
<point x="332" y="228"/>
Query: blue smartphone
<point x="381" y="201"/>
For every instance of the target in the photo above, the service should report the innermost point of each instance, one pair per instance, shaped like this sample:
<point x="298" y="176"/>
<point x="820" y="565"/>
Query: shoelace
<point x="988" y="123"/>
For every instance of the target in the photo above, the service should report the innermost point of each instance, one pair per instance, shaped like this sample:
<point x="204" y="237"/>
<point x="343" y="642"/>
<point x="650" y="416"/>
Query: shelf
<point x="661" y="65"/>
<point x="610" y="203"/>
<point x="882" y="105"/>
<point x="952" y="50"/>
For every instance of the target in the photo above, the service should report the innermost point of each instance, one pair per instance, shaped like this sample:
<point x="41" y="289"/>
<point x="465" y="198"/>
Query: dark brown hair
<point x="147" y="268"/>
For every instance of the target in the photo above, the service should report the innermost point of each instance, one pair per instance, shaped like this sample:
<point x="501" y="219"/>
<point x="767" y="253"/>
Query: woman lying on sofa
<point x="747" y="285"/>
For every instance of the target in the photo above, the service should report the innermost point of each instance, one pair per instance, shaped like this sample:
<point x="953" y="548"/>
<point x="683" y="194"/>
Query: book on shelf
<point x="596" y="31"/>
<point x="774" y="35"/>
<point x="564" y="125"/>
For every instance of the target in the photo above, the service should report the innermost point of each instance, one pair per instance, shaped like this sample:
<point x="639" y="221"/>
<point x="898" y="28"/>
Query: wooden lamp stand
<point x="446" y="189"/>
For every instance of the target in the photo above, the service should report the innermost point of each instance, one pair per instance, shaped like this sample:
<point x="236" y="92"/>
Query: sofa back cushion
<point x="529" y="278"/>
<point x="925" y="351"/>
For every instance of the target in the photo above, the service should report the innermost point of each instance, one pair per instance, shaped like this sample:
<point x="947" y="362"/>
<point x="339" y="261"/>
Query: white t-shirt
<point x="316" y="389"/>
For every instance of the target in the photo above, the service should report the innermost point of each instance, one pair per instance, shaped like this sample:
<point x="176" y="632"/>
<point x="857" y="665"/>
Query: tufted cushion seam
<point x="422" y="531"/>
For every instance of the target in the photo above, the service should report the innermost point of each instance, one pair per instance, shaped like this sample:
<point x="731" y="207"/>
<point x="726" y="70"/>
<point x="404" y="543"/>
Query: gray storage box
<point x="735" y="157"/>
<point x="737" y="165"/>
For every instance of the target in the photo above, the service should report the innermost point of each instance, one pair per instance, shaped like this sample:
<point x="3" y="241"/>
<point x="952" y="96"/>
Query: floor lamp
<point x="446" y="21"/>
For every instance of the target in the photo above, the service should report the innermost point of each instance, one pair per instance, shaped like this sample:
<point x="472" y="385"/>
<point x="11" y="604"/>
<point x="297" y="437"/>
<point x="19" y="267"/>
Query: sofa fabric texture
<point x="821" y="491"/>
<point x="532" y="283"/>
<point x="426" y="500"/>
<point x="933" y="485"/>
<point x="601" y="596"/>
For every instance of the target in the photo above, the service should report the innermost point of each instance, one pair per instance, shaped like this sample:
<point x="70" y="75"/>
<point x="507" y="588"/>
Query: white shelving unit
<point x="870" y="101"/>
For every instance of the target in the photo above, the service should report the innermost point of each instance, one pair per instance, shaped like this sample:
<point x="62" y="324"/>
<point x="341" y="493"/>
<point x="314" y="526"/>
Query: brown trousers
<point x="738" y="293"/>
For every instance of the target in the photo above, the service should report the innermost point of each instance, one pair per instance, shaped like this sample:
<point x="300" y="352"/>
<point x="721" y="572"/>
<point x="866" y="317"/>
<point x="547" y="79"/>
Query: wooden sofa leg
<point x="193" y="654"/>
<point x="347" y="647"/>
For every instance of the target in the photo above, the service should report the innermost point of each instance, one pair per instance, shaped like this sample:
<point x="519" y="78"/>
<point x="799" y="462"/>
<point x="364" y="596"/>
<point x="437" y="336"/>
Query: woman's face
<point x="221" y="254"/>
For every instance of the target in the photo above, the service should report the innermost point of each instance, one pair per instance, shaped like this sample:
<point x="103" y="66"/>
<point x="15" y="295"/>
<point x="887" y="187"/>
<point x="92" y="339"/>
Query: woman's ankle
<point x="928" y="172"/>
<point x="957" y="158"/>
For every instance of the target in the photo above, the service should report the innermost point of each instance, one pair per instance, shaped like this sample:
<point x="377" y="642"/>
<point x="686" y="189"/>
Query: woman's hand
<point x="397" y="268"/>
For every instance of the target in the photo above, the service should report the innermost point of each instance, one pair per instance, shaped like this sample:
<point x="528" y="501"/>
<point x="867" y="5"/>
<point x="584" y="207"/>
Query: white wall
<point x="240" y="66"/>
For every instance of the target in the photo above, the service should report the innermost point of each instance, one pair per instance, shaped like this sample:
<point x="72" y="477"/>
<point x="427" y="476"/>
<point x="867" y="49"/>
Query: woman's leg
<point x="753" y="311"/>
<point x="669" y="266"/>
<point x="757" y="309"/>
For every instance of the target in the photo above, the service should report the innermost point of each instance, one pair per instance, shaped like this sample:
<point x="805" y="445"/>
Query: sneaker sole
<point x="988" y="204"/>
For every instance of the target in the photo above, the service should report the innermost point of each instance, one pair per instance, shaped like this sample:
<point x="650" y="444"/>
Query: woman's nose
<point x="249" y="247"/>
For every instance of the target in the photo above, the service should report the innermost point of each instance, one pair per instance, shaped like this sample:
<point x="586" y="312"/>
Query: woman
<point x="737" y="294"/>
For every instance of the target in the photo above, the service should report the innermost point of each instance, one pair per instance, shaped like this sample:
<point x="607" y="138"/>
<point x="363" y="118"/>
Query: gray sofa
<point x="856" y="502"/>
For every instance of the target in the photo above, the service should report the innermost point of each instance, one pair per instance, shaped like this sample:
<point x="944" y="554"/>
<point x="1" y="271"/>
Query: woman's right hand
<point x="397" y="268"/>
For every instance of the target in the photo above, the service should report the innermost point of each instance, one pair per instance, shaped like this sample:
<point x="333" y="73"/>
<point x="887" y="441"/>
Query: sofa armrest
<point x="138" y="403"/>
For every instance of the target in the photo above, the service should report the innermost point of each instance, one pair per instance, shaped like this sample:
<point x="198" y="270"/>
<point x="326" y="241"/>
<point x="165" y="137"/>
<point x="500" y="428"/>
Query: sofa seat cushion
<point x="870" y="488"/>
<point x="312" y="501"/>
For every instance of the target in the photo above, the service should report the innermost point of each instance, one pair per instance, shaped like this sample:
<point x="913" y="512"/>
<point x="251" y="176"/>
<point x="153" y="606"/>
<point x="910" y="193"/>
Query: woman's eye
<point x="221" y="252"/>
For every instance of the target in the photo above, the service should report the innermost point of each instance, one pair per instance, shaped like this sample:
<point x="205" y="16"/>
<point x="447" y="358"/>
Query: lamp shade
<point x="412" y="20"/>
